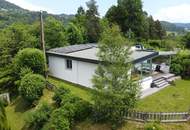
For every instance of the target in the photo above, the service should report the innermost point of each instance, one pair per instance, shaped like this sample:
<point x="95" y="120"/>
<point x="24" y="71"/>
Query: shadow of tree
<point x="21" y="105"/>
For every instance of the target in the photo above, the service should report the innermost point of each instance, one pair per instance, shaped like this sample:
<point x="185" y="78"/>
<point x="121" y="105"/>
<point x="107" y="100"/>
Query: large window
<point x="69" y="64"/>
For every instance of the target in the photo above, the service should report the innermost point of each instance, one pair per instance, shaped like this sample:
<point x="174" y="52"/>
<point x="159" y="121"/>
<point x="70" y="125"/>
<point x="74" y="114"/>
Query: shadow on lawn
<point x="21" y="105"/>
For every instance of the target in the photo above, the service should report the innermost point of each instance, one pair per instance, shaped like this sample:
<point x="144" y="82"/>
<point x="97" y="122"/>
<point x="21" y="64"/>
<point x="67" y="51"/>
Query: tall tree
<point x="152" y="28"/>
<point x="74" y="34"/>
<point x="114" y="87"/>
<point x="54" y="33"/>
<point x="160" y="31"/>
<point x="186" y="40"/>
<point x="93" y="27"/>
<point x="128" y="14"/>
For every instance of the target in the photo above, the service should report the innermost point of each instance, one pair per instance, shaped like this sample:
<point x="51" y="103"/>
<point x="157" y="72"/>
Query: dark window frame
<point x="69" y="64"/>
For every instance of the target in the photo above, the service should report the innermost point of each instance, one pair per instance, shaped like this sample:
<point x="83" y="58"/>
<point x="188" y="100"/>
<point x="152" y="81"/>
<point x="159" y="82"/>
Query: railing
<point x="161" y="117"/>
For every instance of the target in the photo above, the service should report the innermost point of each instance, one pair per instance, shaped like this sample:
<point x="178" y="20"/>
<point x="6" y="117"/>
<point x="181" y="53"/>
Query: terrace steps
<point x="163" y="81"/>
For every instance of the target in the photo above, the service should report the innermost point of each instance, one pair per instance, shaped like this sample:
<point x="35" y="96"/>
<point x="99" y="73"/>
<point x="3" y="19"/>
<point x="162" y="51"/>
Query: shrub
<point x="29" y="58"/>
<point x="152" y="126"/>
<point x="58" y="121"/>
<point x="59" y="93"/>
<point x="38" y="118"/>
<point x="71" y="109"/>
<point x="31" y="87"/>
<point x="180" y="64"/>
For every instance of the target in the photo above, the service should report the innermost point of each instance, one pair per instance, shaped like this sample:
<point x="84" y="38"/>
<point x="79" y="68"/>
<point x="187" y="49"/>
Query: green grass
<point x="17" y="112"/>
<point x="130" y="125"/>
<point x="171" y="99"/>
<point x="76" y="90"/>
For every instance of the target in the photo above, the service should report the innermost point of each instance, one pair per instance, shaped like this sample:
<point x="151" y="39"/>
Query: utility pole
<point x="43" y="43"/>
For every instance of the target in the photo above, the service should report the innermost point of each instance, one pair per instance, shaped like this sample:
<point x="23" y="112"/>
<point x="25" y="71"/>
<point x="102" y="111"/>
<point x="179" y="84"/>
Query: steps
<point x="163" y="81"/>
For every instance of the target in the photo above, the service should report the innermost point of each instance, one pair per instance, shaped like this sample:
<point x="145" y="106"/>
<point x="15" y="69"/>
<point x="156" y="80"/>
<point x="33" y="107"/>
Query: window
<point x="69" y="64"/>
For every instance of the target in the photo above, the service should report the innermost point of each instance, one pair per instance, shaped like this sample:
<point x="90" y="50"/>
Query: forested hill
<point x="176" y="27"/>
<point x="11" y="13"/>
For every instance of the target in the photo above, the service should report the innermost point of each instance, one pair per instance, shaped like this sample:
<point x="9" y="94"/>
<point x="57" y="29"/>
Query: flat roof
<point x="167" y="53"/>
<point x="88" y="53"/>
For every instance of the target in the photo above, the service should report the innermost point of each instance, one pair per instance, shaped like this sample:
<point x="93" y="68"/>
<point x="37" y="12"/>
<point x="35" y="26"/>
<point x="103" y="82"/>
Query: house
<point x="77" y="64"/>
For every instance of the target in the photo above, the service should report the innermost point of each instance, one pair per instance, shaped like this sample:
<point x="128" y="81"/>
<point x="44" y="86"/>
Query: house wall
<point x="81" y="72"/>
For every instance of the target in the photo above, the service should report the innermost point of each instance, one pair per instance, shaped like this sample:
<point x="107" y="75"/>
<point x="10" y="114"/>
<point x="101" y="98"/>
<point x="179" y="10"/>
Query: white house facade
<point x="77" y="63"/>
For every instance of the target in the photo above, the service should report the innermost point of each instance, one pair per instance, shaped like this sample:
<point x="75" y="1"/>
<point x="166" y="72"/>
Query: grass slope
<point x="76" y="90"/>
<point x="171" y="99"/>
<point x="18" y="110"/>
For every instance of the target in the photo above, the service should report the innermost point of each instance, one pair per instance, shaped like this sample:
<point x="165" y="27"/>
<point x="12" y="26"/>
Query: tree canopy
<point x="115" y="89"/>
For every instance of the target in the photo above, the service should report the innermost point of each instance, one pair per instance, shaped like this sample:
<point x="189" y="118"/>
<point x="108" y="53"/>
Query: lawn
<point x="171" y="99"/>
<point x="18" y="110"/>
<point x="131" y="125"/>
<point x="76" y="90"/>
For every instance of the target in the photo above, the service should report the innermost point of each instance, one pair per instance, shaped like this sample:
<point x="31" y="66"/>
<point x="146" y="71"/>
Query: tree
<point x="29" y="58"/>
<point x="160" y="32"/>
<point x="54" y="33"/>
<point x="31" y="87"/>
<point x="3" y="118"/>
<point x="114" y="87"/>
<point x="93" y="27"/>
<point x="128" y="14"/>
<point x="186" y="40"/>
<point x="180" y="64"/>
<point x="152" y="28"/>
<point x="74" y="34"/>
<point x="13" y="38"/>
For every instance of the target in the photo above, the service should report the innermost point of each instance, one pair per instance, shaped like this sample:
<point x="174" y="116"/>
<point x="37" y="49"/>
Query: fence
<point x="161" y="117"/>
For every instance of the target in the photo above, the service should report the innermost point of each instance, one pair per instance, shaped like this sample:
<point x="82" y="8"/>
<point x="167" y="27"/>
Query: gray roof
<point x="167" y="53"/>
<point x="88" y="52"/>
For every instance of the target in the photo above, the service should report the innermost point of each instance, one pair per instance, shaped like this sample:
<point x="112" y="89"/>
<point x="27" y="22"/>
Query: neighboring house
<point x="77" y="64"/>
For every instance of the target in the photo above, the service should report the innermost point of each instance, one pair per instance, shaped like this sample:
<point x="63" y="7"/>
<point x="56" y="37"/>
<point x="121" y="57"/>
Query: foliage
<point x="39" y="117"/>
<point x="71" y="109"/>
<point x="180" y="64"/>
<point x="131" y="18"/>
<point x="186" y="40"/>
<point x="74" y="34"/>
<point x="152" y="126"/>
<point x="59" y="93"/>
<point x="112" y="82"/>
<point x="3" y="118"/>
<point x="31" y="87"/>
<point x="58" y="121"/>
<point x="54" y="33"/>
<point x="14" y="38"/>
<point x="93" y="28"/>
<point x="128" y="14"/>
<point x="29" y="58"/>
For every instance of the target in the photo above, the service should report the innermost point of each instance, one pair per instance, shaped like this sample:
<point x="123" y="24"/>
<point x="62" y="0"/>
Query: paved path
<point x="150" y="91"/>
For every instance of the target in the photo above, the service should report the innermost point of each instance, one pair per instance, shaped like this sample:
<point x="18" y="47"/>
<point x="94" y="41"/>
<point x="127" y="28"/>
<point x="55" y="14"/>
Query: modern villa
<point x="77" y="64"/>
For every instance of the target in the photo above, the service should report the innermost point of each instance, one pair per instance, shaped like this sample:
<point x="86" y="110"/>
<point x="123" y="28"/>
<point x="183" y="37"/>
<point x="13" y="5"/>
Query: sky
<point x="167" y="10"/>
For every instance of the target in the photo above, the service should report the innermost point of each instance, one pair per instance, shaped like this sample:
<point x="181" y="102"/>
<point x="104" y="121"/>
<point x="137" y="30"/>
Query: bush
<point x="29" y="58"/>
<point x="152" y="126"/>
<point x="71" y="109"/>
<point x="31" y="87"/>
<point x="38" y="118"/>
<point x="180" y="64"/>
<point x="59" y="93"/>
<point x="58" y="121"/>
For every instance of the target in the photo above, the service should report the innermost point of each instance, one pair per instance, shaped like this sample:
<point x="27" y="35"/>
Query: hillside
<point x="11" y="13"/>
